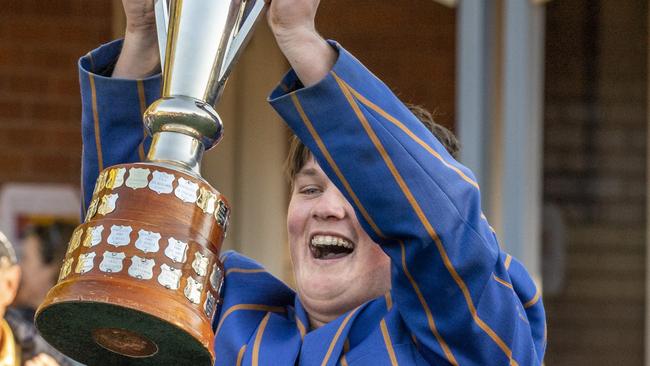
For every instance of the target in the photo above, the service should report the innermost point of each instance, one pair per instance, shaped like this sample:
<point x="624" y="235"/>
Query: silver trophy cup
<point x="141" y="281"/>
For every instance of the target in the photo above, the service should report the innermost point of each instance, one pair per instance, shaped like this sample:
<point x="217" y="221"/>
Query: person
<point x="43" y="248"/>
<point x="394" y="261"/>
<point x="18" y="338"/>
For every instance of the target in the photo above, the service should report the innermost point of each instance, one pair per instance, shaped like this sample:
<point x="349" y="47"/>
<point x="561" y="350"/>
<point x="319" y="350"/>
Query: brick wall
<point x="409" y="44"/>
<point x="40" y="42"/>
<point x="594" y="172"/>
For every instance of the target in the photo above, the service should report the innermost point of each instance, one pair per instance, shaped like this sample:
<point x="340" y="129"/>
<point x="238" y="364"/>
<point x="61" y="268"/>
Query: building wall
<point x="595" y="175"/>
<point x="40" y="42"/>
<point x="409" y="44"/>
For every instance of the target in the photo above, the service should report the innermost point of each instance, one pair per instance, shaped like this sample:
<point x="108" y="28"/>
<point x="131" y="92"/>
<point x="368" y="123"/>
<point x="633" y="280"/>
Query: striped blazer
<point x="456" y="297"/>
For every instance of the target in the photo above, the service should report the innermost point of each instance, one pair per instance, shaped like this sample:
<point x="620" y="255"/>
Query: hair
<point x="299" y="154"/>
<point x="52" y="240"/>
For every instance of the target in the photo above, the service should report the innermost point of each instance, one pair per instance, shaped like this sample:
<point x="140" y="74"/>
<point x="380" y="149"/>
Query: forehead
<point x="309" y="168"/>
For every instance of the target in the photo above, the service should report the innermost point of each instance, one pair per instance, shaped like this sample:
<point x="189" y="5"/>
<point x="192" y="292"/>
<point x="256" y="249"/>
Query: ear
<point x="9" y="282"/>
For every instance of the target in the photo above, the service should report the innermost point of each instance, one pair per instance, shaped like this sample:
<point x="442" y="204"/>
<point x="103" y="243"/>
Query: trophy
<point x="141" y="279"/>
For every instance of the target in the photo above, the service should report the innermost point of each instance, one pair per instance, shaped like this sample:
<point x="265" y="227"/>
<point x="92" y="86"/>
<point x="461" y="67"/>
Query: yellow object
<point x="8" y="350"/>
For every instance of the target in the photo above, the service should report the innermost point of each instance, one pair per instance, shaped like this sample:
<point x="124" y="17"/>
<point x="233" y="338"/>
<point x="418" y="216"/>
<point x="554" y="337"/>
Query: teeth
<point x="323" y="240"/>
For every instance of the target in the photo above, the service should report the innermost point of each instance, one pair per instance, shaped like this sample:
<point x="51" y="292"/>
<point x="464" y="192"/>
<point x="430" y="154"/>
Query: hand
<point x="290" y="16"/>
<point x="140" y="56"/>
<point x="293" y="25"/>
<point x="42" y="359"/>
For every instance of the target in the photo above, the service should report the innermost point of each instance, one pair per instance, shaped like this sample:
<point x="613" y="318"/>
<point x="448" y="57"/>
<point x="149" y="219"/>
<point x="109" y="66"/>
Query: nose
<point x="331" y="205"/>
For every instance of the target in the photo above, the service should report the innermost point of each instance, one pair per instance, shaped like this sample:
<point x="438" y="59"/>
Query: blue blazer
<point x="456" y="297"/>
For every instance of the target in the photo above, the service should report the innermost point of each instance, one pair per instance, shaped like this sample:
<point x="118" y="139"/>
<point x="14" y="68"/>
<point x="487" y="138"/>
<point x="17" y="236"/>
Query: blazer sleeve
<point x="111" y="117"/>
<point x="449" y="279"/>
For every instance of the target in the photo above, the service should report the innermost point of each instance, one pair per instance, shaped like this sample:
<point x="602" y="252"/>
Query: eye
<point x="309" y="190"/>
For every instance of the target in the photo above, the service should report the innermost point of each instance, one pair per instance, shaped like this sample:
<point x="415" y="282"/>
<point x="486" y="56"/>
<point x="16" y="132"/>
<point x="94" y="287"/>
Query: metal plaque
<point x="162" y="182"/>
<point x="141" y="268"/>
<point x="206" y="201"/>
<point x="93" y="236"/>
<point x="138" y="178"/>
<point x="120" y="235"/>
<point x="85" y="263"/>
<point x="200" y="264"/>
<point x="147" y="241"/>
<point x="107" y="204"/>
<point x="65" y="268"/>
<point x="112" y="262"/>
<point x="222" y="214"/>
<point x="100" y="182"/>
<point x="92" y="209"/>
<point x="210" y="305"/>
<point x="169" y="277"/>
<point x="216" y="277"/>
<point x="176" y="250"/>
<point x="186" y="190"/>
<point x="193" y="290"/>
<point x="75" y="240"/>
<point x="115" y="178"/>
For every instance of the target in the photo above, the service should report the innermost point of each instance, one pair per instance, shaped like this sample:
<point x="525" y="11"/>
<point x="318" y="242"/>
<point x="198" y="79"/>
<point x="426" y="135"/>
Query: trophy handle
<point x="161" y="9"/>
<point x="241" y="37"/>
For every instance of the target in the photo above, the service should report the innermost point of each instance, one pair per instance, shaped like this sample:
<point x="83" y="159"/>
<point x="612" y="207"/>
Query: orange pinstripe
<point x="336" y="337"/>
<point x="423" y="219"/>
<point x="258" y="339"/>
<point x="388" y="343"/>
<point x="98" y="142"/>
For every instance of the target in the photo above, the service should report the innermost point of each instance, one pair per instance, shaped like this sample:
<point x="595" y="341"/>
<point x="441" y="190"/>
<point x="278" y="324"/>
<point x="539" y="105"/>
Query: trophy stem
<point x="176" y="149"/>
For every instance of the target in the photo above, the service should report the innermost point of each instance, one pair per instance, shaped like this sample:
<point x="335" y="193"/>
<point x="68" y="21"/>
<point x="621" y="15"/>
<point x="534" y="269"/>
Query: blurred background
<point x="549" y="99"/>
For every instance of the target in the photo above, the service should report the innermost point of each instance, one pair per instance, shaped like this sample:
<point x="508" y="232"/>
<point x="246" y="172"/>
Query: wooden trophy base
<point x="141" y="279"/>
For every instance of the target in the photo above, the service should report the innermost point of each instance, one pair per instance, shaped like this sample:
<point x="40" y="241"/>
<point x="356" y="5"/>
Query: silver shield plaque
<point x="169" y="277"/>
<point x="112" y="262"/>
<point x="141" y="268"/>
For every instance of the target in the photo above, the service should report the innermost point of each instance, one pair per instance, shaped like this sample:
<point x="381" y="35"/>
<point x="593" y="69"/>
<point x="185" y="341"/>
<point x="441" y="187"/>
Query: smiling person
<point x="394" y="261"/>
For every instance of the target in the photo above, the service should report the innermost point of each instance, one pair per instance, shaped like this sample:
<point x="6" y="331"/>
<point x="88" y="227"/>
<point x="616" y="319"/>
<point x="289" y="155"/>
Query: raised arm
<point x="450" y="281"/>
<point x="114" y="95"/>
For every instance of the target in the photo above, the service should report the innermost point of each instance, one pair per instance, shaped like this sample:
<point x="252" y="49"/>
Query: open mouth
<point x="330" y="247"/>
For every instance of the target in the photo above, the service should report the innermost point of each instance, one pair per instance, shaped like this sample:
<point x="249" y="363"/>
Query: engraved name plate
<point x="206" y="201"/>
<point x="65" y="268"/>
<point x="147" y="241"/>
<point x="176" y="250"/>
<point x="100" y="182"/>
<point x="93" y="236"/>
<point x="112" y="262"/>
<point x="75" y="240"/>
<point x="138" y="178"/>
<point x="215" y="277"/>
<point x="115" y="178"/>
<point x="210" y="305"/>
<point x="200" y="264"/>
<point x="221" y="214"/>
<point x="186" y="190"/>
<point x="169" y="277"/>
<point x="85" y="263"/>
<point x="92" y="209"/>
<point x="141" y="268"/>
<point x="162" y="182"/>
<point x="120" y="235"/>
<point x="107" y="204"/>
<point x="193" y="290"/>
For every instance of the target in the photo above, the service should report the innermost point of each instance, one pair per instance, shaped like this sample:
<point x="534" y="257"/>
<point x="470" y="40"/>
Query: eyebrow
<point x="310" y="172"/>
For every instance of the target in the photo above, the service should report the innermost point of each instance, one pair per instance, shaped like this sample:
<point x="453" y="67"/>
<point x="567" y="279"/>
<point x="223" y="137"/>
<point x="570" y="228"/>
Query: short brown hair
<point x="299" y="154"/>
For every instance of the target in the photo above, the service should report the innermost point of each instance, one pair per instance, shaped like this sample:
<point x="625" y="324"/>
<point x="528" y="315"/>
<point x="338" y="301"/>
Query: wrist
<point x="308" y="53"/>
<point x="139" y="57"/>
